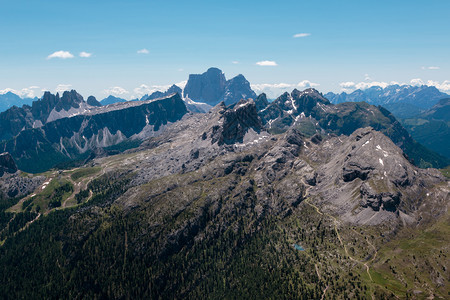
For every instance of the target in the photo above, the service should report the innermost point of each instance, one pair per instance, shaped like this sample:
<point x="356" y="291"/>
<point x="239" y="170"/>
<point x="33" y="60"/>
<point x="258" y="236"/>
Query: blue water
<point x="298" y="247"/>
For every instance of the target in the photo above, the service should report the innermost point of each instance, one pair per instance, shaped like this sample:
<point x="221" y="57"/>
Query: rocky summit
<point x="211" y="88"/>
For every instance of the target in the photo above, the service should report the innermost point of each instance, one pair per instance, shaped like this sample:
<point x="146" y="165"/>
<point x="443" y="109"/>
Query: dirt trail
<point x="336" y="222"/>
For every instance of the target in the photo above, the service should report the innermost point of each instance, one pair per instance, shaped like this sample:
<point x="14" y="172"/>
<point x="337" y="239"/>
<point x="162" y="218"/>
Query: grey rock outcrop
<point x="172" y="90"/>
<point x="92" y="101"/>
<point x="208" y="87"/>
<point x="7" y="164"/>
<point x="66" y="139"/>
<point x="236" y="122"/>
<point x="367" y="180"/>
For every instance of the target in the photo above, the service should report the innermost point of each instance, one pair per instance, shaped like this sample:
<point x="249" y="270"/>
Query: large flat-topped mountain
<point x="211" y="87"/>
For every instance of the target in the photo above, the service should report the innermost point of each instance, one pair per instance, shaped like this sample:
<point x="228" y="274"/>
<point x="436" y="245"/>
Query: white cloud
<point x="85" y="54"/>
<point x="181" y="84"/>
<point x="267" y="63"/>
<point x="28" y="92"/>
<point x="116" y="91"/>
<point x="417" y="82"/>
<point x="235" y="62"/>
<point x="350" y="85"/>
<point x="60" y="54"/>
<point x="367" y="77"/>
<point x="63" y="87"/>
<point x="262" y="86"/>
<point x="301" y="35"/>
<point x="430" y="68"/>
<point x="7" y="90"/>
<point x="143" y="51"/>
<point x="274" y="90"/>
<point x="444" y="86"/>
<point x="307" y="84"/>
<point x="143" y="90"/>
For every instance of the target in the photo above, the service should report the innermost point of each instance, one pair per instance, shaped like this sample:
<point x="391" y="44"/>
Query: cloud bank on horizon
<point x="272" y="90"/>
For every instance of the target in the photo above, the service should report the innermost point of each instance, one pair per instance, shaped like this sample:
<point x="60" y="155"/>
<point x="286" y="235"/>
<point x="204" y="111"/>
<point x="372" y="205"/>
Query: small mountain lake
<point x="298" y="247"/>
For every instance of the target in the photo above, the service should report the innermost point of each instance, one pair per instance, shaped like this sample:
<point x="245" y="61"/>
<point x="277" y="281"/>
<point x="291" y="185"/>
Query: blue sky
<point x="345" y="44"/>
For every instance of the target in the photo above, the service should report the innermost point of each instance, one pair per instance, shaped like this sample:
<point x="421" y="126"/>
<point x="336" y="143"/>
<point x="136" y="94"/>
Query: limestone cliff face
<point x="68" y="138"/>
<point x="211" y="87"/>
<point x="49" y="108"/>
<point x="236" y="122"/>
<point x="207" y="87"/>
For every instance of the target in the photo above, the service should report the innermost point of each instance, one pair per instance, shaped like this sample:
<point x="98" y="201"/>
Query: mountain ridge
<point x="402" y="100"/>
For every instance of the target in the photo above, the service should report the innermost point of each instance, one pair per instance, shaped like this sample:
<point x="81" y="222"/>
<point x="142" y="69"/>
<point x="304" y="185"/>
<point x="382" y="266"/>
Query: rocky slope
<point x="311" y="113"/>
<point x="11" y="183"/>
<point x="217" y="207"/>
<point x="432" y="127"/>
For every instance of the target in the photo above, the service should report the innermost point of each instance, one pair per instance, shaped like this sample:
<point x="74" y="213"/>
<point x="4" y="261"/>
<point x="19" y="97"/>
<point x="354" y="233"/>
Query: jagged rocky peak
<point x="236" y="121"/>
<point x="211" y="87"/>
<point x="208" y="87"/>
<point x="91" y="100"/>
<point x="238" y="88"/>
<point x="7" y="164"/>
<point x="41" y="109"/>
<point x="69" y="99"/>
<point x="158" y="94"/>
<point x="174" y="89"/>
<point x="306" y="100"/>
<point x="261" y="102"/>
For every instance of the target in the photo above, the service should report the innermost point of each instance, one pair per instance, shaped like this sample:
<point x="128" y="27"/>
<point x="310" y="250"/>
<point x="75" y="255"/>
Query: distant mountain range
<point x="112" y="99"/>
<point x="10" y="99"/>
<point x="432" y="127"/>
<point x="309" y="111"/>
<point x="402" y="100"/>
